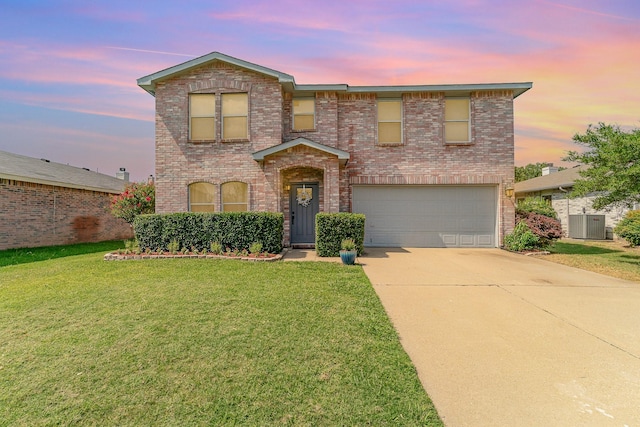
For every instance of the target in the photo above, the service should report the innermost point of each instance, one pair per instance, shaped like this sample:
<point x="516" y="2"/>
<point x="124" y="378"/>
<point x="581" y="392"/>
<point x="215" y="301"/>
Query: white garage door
<point x="427" y="216"/>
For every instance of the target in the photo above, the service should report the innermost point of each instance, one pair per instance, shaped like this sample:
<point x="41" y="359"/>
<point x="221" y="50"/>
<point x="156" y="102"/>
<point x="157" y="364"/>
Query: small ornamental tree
<point x="547" y="229"/>
<point x="536" y="205"/>
<point x="534" y="217"/>
<point x="136" y="199"/>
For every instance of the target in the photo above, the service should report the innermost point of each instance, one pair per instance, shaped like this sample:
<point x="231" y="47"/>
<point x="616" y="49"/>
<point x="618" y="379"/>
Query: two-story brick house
<point x="427" y="164"/>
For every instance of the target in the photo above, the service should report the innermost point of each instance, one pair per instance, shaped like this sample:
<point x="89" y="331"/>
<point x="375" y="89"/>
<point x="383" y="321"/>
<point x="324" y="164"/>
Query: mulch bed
<point x="115" y="256"/>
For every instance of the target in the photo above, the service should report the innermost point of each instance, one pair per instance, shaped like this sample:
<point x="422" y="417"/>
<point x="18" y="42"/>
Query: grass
<point x="27" y="255"/>
<point x="612" y="258"/>
<point x="199" y="342"/>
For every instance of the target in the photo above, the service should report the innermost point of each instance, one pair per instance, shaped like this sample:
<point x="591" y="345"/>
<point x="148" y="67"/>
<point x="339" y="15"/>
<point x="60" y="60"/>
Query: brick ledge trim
<point x="426" y="179"/>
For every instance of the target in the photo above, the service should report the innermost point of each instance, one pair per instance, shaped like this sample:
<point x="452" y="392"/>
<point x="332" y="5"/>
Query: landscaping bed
<point x="117" y="256"/>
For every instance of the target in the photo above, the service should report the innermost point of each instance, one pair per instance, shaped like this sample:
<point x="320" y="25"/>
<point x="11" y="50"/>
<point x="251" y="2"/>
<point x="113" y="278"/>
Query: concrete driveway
<point x="501" y="339"/>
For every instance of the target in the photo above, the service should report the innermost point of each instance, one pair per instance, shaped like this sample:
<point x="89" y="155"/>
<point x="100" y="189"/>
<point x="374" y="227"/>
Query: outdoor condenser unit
<point x="587" y="227"/>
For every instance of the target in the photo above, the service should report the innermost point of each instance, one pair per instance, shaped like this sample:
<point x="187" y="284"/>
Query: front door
<point x="304" y="204"/>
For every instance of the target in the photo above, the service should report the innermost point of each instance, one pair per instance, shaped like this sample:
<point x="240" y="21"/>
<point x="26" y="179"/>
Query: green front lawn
<point x="613" y="258"/>
<point x="27" y="255"/>
<point x="200" y="342"/>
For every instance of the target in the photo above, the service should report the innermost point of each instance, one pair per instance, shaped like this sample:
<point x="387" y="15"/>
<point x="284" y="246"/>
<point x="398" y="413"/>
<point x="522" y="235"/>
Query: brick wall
<point x="424" y="157"/>
<point x="34" y="215"/>
<point x="344" y="121"/>
<point x="180" y="162"/>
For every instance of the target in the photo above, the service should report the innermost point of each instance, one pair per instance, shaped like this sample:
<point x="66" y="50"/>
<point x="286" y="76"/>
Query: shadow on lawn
<point x="632" y="259"/>
<point x="27" y="255"/>
<point x="578" y="249"/>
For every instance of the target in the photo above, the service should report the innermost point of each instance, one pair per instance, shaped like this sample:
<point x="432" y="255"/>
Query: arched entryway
<point x="302" y="198"/>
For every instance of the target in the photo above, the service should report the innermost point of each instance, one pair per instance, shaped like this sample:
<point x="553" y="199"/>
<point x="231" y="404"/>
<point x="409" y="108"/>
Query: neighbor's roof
<point x="42" y="171"/>
<point x="564" y="178"/>
<point x="149" y="82"/>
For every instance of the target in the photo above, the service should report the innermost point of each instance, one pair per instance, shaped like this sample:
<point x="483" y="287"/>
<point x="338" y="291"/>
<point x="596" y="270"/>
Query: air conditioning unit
<point x="587" y="227"/>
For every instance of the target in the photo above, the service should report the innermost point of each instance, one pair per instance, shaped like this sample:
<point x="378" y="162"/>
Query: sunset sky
<point x="68" y="69"/>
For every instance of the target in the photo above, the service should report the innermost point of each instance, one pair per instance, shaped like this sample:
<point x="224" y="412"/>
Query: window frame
<point x="213" y="197"/>
<point x="192" y="116"/>
<point x="400" y="121"/>
<point x="223" y="116"/>
<point x="467" y="120"/>
<point x="223" y="204"/>
<point x="294" y="115"/>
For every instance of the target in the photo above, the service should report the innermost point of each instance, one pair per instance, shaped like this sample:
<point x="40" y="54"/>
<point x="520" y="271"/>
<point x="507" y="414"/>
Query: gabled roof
<point x="564" y="178"/>
<point x="41" y="171"/>
<point x="343" y="156"/>
<point x="148" y="83"/>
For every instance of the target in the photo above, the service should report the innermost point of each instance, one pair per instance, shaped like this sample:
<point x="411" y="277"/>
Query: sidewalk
<point x="306" y="255"/>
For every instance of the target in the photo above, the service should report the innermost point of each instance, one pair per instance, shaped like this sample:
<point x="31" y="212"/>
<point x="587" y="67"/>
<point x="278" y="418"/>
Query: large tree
<point x="613" y="157"/>
<point x="532" y="170"/>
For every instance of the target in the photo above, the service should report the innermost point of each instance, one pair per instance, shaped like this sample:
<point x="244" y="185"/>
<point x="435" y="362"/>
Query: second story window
<point x="235" y="111"/>
<point x="304" y="114"/>
<point x="202" y="117"/>
<point x="390" y="121"/>
<point x="456" y="120"/>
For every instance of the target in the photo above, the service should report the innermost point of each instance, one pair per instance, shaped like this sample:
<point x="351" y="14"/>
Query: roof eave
<point x="61" y="184"/>
<point x="148" y="83"/>
<point x="343" y="156"/>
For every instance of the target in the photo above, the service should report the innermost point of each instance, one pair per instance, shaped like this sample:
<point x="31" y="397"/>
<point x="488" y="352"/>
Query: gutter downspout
<point x="566" y="195"/>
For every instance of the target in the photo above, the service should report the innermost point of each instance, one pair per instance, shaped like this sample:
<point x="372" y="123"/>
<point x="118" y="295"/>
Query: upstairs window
<point x="201" y="197"/>
<point x="304" y="114"/>
<point x="235" y="110"/>
<point x="389" y="122"/>
<point x="202" y="117"/>
<point x="235" y="196"/>
<point x="456" y="120"/>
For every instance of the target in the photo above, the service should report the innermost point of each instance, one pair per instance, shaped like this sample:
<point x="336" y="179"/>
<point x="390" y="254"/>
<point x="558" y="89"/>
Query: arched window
<point x="201" y="197"/>
<point x="235" y="196"/>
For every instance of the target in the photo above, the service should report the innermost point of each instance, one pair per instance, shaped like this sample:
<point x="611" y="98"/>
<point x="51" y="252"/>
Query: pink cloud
<point x="588" y="11"/>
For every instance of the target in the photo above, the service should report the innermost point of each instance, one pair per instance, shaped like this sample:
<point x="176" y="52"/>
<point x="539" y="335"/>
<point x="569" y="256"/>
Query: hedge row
<point x="332" y="228"/>
<point x="234" y="230"/>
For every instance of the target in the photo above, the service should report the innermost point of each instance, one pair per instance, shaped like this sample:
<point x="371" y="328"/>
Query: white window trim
<point x="378" y="121"/>
<point x="223" y="116"/>
<point x="468" y="121"/>
<point x="293" y="114"/>
<point x="190" y="204"/>
<point x="215" y="115"/>
<point x="222" y="203"/>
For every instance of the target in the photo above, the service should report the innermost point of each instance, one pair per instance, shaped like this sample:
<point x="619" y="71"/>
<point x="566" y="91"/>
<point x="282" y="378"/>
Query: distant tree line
<point x="532" y="170"/>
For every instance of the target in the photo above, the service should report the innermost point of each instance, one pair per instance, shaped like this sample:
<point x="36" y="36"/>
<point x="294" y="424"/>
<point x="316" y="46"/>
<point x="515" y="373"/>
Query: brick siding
<point x="344" y="121"/>
<point x="34" y="215"/>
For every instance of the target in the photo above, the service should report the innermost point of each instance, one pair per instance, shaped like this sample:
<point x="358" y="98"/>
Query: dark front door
<point x="304" y="205"/>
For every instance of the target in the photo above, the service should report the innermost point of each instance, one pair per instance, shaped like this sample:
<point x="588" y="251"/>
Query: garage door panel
<point x="428" y="216"/>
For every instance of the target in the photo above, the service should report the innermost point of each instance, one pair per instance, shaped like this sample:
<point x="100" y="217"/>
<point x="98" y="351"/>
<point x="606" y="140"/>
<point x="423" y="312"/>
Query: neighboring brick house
<point x="554" y="186"/>
<point x="43" y="203"/>
<point x="427" y="164"/>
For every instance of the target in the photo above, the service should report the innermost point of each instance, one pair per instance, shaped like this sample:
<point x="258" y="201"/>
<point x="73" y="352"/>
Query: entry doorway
<point x="304" y="204"/>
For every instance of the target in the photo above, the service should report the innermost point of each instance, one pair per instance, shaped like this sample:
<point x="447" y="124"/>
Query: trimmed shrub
<point x="234" y="230"/>
<point x="536" y="205"/>
<point x="333" y="228"/>
<point x="545" y="228"/>
<point x="521" y="239"/>
<point x="629" y="228"/>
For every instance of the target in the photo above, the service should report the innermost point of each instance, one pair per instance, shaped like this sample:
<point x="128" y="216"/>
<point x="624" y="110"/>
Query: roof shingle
<point x="29" y="169"/>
